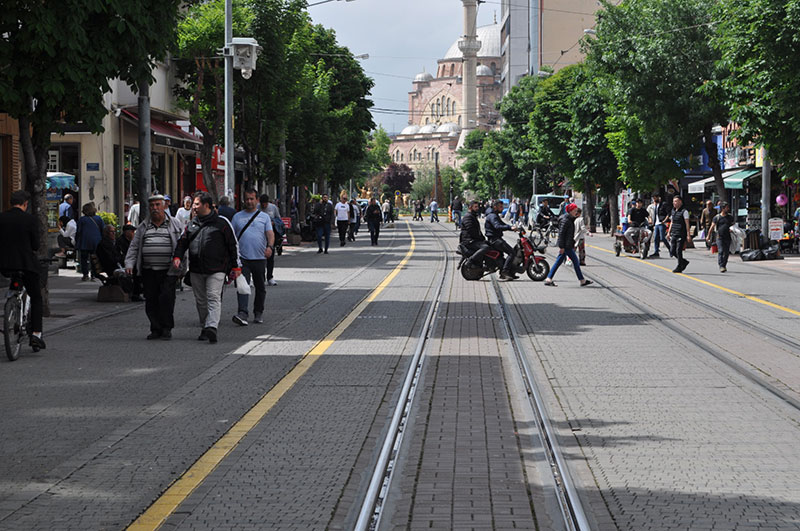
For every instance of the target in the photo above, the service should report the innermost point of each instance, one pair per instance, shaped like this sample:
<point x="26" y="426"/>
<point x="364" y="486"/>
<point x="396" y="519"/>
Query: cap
<point x="571" y="207"/>
<point x="167" y="198"/>
<point x="128" y="226"/>
<point x="156" y="197"/>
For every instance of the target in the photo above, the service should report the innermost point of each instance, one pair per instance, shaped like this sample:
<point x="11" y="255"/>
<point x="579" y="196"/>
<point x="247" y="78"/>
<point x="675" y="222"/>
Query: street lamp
<point x="325" y="2"/>
<point x="589" y="31"/>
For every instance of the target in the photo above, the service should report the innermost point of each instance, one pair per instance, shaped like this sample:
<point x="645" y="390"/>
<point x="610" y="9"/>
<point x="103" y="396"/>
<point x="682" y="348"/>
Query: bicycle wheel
<point x="552" y="237"/>
<point x="11" y="327"/>
<point x="536" y="238"/>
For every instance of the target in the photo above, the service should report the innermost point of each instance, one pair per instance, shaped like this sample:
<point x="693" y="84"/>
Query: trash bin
<point x="753" y="239"/>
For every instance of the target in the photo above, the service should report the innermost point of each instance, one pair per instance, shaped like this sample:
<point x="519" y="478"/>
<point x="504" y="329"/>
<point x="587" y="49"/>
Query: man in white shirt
<point x="513" y="210"/>
<point x="342" y="210"/>
<point x="434" y="211"/>
<point x="66" y="236"/>
<point x="134" y="214"/>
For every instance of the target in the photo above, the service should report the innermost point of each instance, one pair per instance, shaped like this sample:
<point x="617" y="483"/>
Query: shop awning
<point x="170" y="135"/>
<point x="57" y="180"/>
<point x="698" y="187"/>
<point x="736" y="181"/>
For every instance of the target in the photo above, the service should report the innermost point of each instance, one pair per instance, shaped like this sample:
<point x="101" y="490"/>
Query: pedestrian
<point x="184" y="213"/>
<point x="658" y="213"/>
<point x="322" y="219"/>
<point x="67" y="227"/>
<point x="385" y="210"/>
<point x="169" y="208"/>
<point x="373" y="217"/>
<point x="150" y="255"/>
<point x="580" y="237"/>
<point x="513" y="211"/>
<point x="342" y="209"/>
<point x="457" y="207"/>
<point x="65" y="208"/>
<point x="722" y="223"/>
<point x="679" y="233"/>
<point x="213" y="254"/>
<point x="271" y="209"/>
<point x="566" y="245"/>
<point x="256" y="239"/>
<point x="706" y="218"/>
<point x="88" y="234"/>
<point x="434" y="206"/>
<point x="417" y="211"/>
<point x="225" y="209"/>
<point x="353" y="221"/>
<point x="134" y="213"/>
<point x="605" y="219"/>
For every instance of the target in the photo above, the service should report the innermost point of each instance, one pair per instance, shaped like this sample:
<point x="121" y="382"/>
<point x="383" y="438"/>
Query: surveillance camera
<point x="247" y="73"/>
<point x="117" y="112"/>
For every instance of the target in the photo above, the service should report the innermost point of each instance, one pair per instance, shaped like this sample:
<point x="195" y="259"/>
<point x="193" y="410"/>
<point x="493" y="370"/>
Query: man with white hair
<point x="65" y="208"/>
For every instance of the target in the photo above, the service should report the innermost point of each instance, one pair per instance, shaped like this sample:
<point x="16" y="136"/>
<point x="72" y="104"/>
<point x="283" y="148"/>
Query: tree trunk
<point x="35" y="144"/>
<point x="283" y="204"/>
<point x="590" y="201"/>
<point x="145" y="149"/>
<point x="713" y="162"/>
<point x="613" y="207"/>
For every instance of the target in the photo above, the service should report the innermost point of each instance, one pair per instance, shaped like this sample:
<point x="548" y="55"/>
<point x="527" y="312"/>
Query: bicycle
<point x="16" y="317"/>
<point x="545" y="235"/>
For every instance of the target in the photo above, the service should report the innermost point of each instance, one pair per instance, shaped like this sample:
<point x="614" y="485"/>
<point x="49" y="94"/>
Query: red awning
<point x="180" y="138"/>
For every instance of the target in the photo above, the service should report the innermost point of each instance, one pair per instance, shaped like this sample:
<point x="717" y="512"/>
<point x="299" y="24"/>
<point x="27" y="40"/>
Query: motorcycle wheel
<point x="537" y="270"/>
<point x="470" y="272"/>
<point x="645" y="248"/>
<point x="617" y="248"/>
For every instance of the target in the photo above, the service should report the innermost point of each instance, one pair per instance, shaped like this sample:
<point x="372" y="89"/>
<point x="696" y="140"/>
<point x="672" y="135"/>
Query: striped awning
<point x="57" y="180"/>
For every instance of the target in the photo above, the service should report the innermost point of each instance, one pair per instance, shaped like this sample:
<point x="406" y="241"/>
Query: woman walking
<point x="566" y="246"/>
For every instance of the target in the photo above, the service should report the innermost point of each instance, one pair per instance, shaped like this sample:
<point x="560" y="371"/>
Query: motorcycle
<point x="641" y="246"/>
<point x="525" y="260"/>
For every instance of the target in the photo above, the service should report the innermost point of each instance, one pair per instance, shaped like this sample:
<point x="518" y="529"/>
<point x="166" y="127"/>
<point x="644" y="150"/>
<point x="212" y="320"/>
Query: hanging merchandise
<point x="782" y="199"/>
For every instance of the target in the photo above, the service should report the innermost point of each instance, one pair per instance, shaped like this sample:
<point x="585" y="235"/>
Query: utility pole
<point x="534" y="182"/>
<point x="145" y="159"/>
<point x="436" y="177"/>
<point x="229" y="163"/>
<point x="766" y="185"/>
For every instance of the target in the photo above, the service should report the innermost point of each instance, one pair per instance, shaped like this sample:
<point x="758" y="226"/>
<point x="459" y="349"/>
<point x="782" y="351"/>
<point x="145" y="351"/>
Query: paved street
<point x="674" y="398"/>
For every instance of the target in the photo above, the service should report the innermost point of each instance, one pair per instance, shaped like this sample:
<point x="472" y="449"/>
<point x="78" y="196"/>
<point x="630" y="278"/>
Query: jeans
<point x="434" y="216"/>
<point x="253" y="269"/>
<point x="374" y="231"/>
<point x="342" y="226"/>
<point x="457" y="218"/>
<point x="159" y="293"/>
<point x="660" y="235"/>
<point x="568" y="253"/>
<point x="723" y="250"/>
<point x="207" y="291"/>
<point x="324" y="230"/>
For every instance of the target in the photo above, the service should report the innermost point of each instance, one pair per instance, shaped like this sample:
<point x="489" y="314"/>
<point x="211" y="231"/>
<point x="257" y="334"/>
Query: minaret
<point x="469" y="46"/>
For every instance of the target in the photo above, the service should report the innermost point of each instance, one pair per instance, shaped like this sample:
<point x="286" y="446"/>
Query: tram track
<point x="753" y="375"/>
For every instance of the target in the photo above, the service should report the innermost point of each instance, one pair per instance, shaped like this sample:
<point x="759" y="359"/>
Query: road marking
<point x="711" y="284"/>
<point x="165" y="505"/>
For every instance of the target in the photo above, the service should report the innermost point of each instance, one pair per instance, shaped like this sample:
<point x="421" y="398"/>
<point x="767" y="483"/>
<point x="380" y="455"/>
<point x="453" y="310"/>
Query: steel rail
<point x="371" y="510"/>
<point x="569" y="500"/>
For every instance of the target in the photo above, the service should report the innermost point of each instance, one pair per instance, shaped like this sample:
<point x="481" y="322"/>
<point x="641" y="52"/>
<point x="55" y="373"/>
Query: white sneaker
<point x="271" y="282"/>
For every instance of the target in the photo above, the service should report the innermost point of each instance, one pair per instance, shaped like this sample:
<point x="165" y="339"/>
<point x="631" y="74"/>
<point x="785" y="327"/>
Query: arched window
<point x="454" y="108"/>
<point x="401" y="157"/>
<point x="438" y="108"/>
<point x="459" y="120"/>
<point x="447" y="107"/>
<point x="452" y="69"/>
<point x="427" y="120"/>
<point x="433" y="111"/>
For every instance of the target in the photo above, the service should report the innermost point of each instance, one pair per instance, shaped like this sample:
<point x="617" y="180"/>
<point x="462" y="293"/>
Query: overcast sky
<point x="401" y="37"/>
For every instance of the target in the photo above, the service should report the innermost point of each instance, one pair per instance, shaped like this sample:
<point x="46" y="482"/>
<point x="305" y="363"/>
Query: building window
<point x="452" y="69"/>
<point x="494" y="68"/>
<point x="454" y="108"/>
<point x="438" y="108"/>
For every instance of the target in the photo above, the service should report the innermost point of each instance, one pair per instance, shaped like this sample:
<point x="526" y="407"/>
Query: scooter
<point x="492" y="261"/>
<point x="525" y="260"/>
<point x="641" y="246"/>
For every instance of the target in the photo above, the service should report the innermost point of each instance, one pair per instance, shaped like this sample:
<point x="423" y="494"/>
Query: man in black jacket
<point x="494" y="233"/>
<point x="19" y="239"/>
<point x="322" y="219"/>
<point x="471" y="235"/>
<point x="213" y="254"/>
<point x="566" y="245"/>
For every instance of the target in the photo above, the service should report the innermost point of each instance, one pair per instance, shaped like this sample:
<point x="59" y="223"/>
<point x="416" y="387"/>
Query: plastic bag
<point x="752" y="255"/>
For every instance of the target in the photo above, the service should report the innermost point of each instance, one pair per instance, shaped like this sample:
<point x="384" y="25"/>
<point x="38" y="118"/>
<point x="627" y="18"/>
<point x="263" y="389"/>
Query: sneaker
<point x="326" y="251"/>
<point x="723" y="269"/>
<point x="258" y="318"/>
<point x="202" y="336"/>
<point x="84" y="278"/>
<point x="655" y="255"/>
<point x="241" y="321"/>
<point x="155" y="334"/>
<point x="211" y="334"/>
<point x="319" y="252"/>
<point x="506" y="276"/>
<point x="166" y="335"/>
<point x="271" y="282"/>
<point x="37" y="342"/>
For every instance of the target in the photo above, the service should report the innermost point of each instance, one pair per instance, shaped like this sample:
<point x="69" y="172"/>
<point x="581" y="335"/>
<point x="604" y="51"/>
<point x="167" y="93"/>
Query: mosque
<point x="437" y="116"/>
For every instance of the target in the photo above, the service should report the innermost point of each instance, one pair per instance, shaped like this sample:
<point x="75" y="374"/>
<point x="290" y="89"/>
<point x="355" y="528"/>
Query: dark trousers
<point x="342" y="226"/>
<point x="434" y="216"/>
<point x="501" y="245"/>
<point x="568" y="253"/>
<point x="65" y="243"/>
<point x="351" y="232"/>
<point x="676" y="248"/>
<point x="374" y="231"/>
<point x="270" y="264"/>
<point x="477" y="250"/>
<point x="32" y="283"/>
<point x="723" y="250"/>
<point x="159" y="293"/>
<point x="324" y="230"/>
<point x="85" y="259"/>
<point x="254" y="269"/>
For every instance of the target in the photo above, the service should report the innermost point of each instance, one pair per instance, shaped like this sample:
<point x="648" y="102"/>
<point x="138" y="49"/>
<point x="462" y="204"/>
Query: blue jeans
<point x="660" y="235"/>
<point x="457" y="218"/>
<point x="568" y="253"/>
<point x="324" y="229"/>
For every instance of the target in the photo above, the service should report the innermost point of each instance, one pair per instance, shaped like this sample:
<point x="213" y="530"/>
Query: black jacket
<point x="566" y="231"/>
<point x="374" y="213"/>
<point x="211" y="244"/>
<point x="19" y="241"/>
<point x="110" y="259"/>
<point x="494" y="226"/>
<point x="470" y="229"/>
<point x="544" y="212"/>
<point x="323" y="213"/>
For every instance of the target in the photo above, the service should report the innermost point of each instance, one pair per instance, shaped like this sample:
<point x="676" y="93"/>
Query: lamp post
<point x="325" y="2"/>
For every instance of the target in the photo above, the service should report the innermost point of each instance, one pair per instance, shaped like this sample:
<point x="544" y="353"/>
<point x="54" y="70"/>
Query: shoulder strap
<point x="252" y="219"/>
<point x="94" y="218"/>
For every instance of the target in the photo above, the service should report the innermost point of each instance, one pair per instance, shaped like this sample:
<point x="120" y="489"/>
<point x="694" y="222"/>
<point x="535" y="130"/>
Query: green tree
<point x="658" y="57"/>
<point x="57" y="59"/>
<point x="377" y="157"/>
<point x="759" y="47"/>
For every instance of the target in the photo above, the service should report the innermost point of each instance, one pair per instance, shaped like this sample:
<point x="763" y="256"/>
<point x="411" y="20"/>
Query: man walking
<point x="566" y="246"/>
<point x="658" y="213"/>
<point x="373" y="217"/>
<point x="722" y="223"/>
<point x="256" y="238"/>
<point x="679" y="233"/>
<point x="434" y="211"/>
<point x="385" y="209"/>
<point x="274" y="213"/>
<point x="342" y="209"/>
<point x="457" y="207"/>
<point x="225" y="209"/>
<point x="513" y="211"/>
<point x="323" y="217"/>
<point x="213" y="253"/>
<point x="150" y="254"/>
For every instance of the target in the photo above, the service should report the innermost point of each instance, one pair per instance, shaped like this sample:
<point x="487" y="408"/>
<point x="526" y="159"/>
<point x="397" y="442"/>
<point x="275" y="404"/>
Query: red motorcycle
<point x="525" y="260"/>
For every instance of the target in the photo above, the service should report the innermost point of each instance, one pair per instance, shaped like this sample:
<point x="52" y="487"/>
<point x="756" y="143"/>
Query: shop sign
<point x="775" y="228"/>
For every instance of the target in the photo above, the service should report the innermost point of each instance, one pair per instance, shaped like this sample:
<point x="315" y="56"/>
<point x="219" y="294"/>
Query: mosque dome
<point x="427" y="129"/>
<point x="449" y="127"/>
<point x="423" y="77"/>
<point x="489" y="36"/>
<point x="410" y="130"/>
<point x="484" y="70"/>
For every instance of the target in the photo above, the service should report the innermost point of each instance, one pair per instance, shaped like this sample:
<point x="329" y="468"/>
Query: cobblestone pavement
<point x="661" y="434"/>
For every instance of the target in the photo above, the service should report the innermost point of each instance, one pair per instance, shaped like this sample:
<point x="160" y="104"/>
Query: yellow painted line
<point x="711" y="284"/>
<point x="165" y="505"/>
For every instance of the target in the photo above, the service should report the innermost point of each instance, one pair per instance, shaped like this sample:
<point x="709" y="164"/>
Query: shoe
<point x="326" y="251"/>
<point x="155" y="334"/>
<point x="550" y="283"/>
<point x="84" y="278"/>
<point x="271" y="282"/>
<point x="37" y="342"/>
<point x="723" y="269"/>
<point x="654" y="255"/>
<point x="318" y="252"/>
<point x="211" y="334"/>
<point x="685" y="263"/>
<point x="504" y="275"/>
<point x="241" y="321"/>
<point x="166" y="335"/>
<point x="586" y="283"/>
<point x="202" y="336"/>
<point x="136" y="298"/>
<point x="258" y="318"/>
